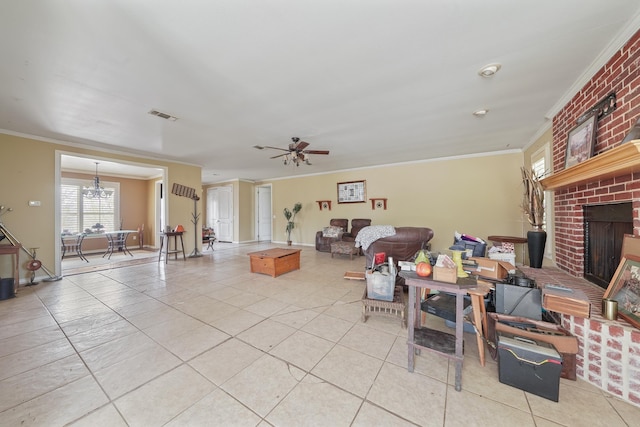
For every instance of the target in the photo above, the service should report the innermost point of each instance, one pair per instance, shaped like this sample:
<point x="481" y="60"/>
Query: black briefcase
<point x="529" y="365"/>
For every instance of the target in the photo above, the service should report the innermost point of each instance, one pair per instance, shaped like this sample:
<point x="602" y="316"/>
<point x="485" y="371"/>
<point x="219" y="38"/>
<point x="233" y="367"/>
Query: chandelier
<point x="96" y="192"/>
<point x="295" y="158"/>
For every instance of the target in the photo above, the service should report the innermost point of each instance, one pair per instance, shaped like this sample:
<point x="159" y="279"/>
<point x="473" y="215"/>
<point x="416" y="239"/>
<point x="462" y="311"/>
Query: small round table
<point x="507" y="239"/>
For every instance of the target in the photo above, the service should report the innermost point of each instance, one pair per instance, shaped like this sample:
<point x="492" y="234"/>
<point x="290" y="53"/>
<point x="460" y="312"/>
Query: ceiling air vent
<point x="163" y="115"/>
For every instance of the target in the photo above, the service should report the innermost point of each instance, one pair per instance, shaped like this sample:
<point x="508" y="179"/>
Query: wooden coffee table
<point x="275" y="262"/>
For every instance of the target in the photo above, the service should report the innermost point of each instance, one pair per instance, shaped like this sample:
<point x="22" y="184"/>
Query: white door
<point x="220" y="212"/>
<point x="264" y="214"/>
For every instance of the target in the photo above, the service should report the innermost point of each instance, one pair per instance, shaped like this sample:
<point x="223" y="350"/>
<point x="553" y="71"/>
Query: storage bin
<point x="562" y="340"/>
<point x="476" y="249"/>
<point x="466" y="326"/>
<point x="380" y="286"/>
<point x="529" y="365"/>
<point x="6" y="288"/>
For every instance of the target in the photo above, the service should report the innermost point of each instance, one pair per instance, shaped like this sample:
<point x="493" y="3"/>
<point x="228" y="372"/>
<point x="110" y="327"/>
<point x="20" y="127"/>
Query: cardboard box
<point x="529" y="365"/>
<point x="444" y="274"/>
<point x="493" y="269"/>
<point x="574" y="302"/>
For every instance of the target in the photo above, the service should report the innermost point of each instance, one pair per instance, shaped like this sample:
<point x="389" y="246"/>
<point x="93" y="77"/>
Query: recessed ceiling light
<point x="480" y="113"/>
<point x="489" y="70"/>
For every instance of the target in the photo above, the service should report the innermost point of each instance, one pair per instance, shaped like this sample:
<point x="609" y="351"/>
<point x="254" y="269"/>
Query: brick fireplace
<point x="622" y="76"/>
<point x="609" y="355"/>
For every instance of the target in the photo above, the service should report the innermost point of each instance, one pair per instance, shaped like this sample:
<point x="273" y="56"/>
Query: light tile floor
<point x="206" y="342"/>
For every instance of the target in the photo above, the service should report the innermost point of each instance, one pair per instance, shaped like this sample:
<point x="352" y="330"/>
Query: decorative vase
<point x="536" y="240"/>
<point x="288" y="242"/>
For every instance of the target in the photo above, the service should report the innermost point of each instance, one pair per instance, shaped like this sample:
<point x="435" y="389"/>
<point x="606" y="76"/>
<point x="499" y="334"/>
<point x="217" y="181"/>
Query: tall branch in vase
<point x="533" y="207"/>
<point x="533" y="198"/>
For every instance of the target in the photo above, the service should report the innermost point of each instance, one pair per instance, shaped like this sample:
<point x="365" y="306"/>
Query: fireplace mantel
<point x="617" y="161"/>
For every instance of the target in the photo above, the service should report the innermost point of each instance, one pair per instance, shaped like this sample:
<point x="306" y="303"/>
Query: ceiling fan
<point x="296" y="152"/>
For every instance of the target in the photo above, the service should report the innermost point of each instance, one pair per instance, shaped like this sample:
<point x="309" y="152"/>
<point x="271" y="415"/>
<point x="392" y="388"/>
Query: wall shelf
<point x="617" y="161"/>
<point x="324" y="204"/>
<point x="378" y="202"/>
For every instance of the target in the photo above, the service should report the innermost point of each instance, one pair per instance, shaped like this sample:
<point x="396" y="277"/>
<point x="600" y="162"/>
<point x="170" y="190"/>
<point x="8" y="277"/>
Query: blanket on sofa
<point x="370" y="234"/>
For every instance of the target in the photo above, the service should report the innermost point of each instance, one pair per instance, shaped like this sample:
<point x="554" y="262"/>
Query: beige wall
<point x="477" y="195"/>
<point x="27" y="172"/>
<point x="246" y="213"/>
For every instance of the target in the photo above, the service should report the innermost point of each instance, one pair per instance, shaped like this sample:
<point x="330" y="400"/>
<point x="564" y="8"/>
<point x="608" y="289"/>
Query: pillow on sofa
<point x="331" y="231"/>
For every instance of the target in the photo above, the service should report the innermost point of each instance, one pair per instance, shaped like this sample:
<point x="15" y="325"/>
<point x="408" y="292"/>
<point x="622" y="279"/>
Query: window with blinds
<point x="79" y="214"/>
<point x="540" y="163"/>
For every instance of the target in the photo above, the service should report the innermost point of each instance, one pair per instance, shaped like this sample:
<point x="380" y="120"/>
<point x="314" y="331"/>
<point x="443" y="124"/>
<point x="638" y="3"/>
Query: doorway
<point x="263" y="213"/>
<point x="129" y="213"/>
<point x="220" y="212"/>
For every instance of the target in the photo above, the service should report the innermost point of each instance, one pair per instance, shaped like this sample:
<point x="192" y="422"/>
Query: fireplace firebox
<point x="604" y="230"/>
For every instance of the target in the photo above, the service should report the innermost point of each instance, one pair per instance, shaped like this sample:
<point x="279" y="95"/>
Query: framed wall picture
<point x="581" y="141"/>
<point x="625" y="288"/>
<point x="352" y="192"/>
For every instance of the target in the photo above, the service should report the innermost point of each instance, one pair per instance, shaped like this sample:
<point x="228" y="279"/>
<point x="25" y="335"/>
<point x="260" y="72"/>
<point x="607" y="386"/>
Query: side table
<point x="395" y="308"/>
<point x="15" y="251"/>
<point x="167" y="250"/>
<point x="422" y="338"/>
<point x="346" y="248"/>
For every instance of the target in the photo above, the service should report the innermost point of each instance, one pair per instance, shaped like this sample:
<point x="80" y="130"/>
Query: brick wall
<point x="609" y="354"/>
<point x="622" y="76"/>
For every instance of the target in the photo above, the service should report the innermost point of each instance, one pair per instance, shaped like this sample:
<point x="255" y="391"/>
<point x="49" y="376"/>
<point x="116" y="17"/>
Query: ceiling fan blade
<point x="275" y="148"/>
<point x="316" y="151"/>
<point x="279" y="155"/>
<point x="300" y="145"/>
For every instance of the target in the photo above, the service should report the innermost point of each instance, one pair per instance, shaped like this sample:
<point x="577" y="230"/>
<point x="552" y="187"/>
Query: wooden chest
<point x="275" y="262"/>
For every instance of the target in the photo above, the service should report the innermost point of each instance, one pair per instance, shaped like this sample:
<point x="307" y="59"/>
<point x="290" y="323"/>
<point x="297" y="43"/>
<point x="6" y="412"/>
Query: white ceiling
<point x="374" y="81"/>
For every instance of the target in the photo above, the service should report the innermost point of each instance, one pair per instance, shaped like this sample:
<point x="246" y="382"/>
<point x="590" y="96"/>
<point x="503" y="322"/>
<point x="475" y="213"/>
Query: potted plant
<point x="533" y="207"/>
<point x="290" y="215"/>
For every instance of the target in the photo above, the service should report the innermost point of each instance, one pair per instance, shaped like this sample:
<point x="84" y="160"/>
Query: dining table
<point x="117" y="240"/>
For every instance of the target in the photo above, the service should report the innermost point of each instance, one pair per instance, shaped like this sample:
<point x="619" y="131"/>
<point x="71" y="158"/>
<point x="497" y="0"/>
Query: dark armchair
<point x="356" y="225"/>
<point x="323" y="242"/>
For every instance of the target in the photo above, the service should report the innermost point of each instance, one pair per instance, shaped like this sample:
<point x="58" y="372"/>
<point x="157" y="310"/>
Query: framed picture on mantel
<point x="352" y="192"/>
<point x="625" y="288"/>
<point x="581" y="141"/>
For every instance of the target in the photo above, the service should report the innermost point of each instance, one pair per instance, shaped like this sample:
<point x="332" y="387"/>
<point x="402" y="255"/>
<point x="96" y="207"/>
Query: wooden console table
<point x="13" y="250"/>
<point x="422" y="338"/>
